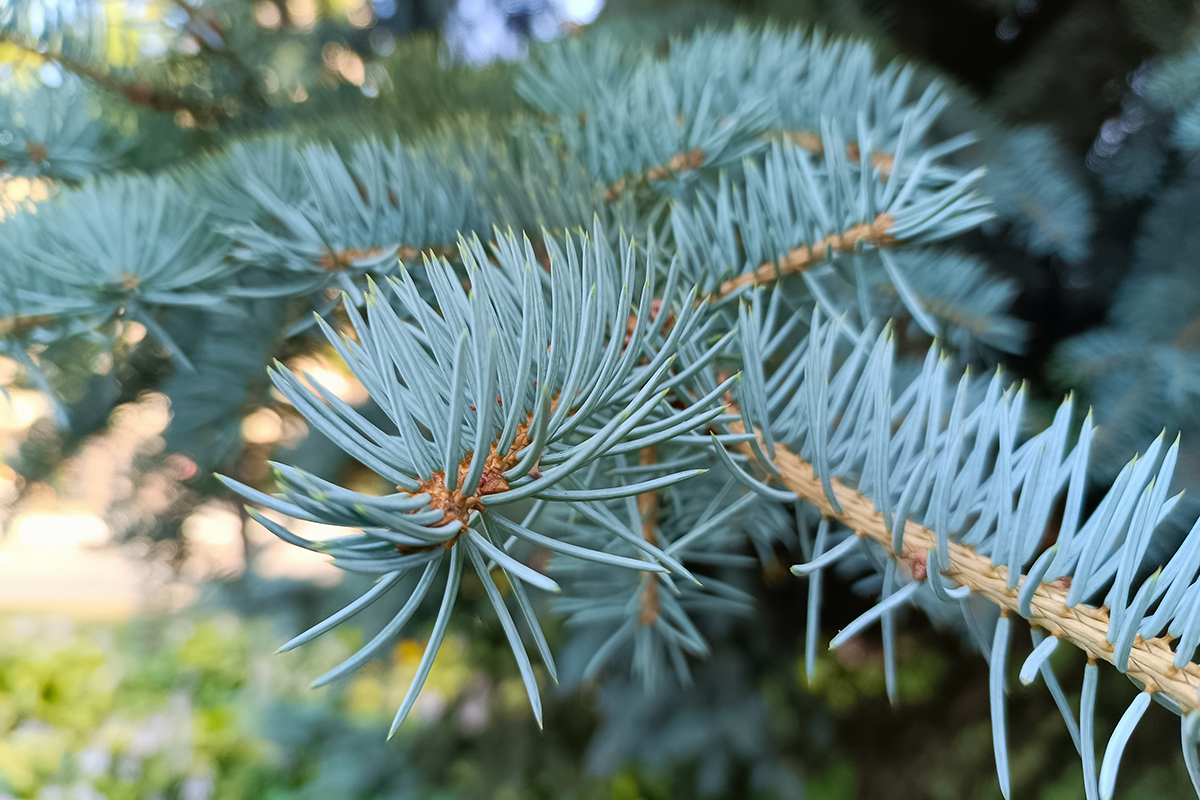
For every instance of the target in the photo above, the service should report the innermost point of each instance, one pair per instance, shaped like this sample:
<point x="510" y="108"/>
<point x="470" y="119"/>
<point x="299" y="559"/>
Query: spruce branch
<point x="536" y="367"/>
<point x="810" y="141"/>
<point x="691" y="160"/>
<point x="516" y="389"/>
<point x="793" y="213"/>
<point x="122" y="246"/>
<point x="208" y="33"/>
<point x="655" y="629"/>
<point x="942" y="489"/>
<point x="318" y="222"/>
<point x="1150" y="660"/>
<point x="348" y="259"/>
<point x="656" y="131"/>
<point x="137" y="92"/>
<point x="876" y="233"/>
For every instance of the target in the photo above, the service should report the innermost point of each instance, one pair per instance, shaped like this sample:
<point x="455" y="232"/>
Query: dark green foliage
<point x="1140" y="368"/>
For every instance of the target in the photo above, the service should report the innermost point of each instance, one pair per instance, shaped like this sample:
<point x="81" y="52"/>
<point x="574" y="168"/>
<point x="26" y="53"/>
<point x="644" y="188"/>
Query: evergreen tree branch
<point x="694" y="159"/>
<point x="691" y="160"/>
<point x="342" y="259"/>
<point x="874" y="233"/>
<point x="811" y="142"/>
<point x="1150" y="660"/>
<point x="136" y="92"/>
<point x="209" y="34"/>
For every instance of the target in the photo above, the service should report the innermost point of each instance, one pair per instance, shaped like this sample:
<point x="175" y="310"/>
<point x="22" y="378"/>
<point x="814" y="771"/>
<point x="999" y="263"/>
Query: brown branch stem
<point x="334" y="262"/>
<point x="139" y="93"/>
<point x="807" y="140"/>
<point x="691" y="160"/>
<point x="1150" y="661"/>
<point x="647" y="504"/>
<point x="874" y="233"/>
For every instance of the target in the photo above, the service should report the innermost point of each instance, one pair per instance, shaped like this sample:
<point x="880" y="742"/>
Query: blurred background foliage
<point x="173" y="693"/>
<point x="195" y="705"/>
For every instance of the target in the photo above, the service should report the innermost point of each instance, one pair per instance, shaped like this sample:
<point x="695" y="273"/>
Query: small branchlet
<point x="874" y="234"/>
<point x="495" y="395"/>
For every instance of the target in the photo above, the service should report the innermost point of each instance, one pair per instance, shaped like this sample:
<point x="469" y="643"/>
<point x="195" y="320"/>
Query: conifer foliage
<point x="685" y="302"/>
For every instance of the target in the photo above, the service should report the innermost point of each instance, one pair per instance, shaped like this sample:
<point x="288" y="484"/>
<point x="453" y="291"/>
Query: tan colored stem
<point x="873" y="233"/>
<point x="1150" y="661"/>
<point x="807" y="140"/>
<point x="691" y="160"/>
<point x="334" y="262"/>
<point x="37" y="152"/>
<point x="647" y="503"/>
<point x="1188" y="337"/>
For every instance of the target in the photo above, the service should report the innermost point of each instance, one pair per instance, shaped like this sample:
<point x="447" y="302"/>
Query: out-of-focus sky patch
<point x="481" y="31"/>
